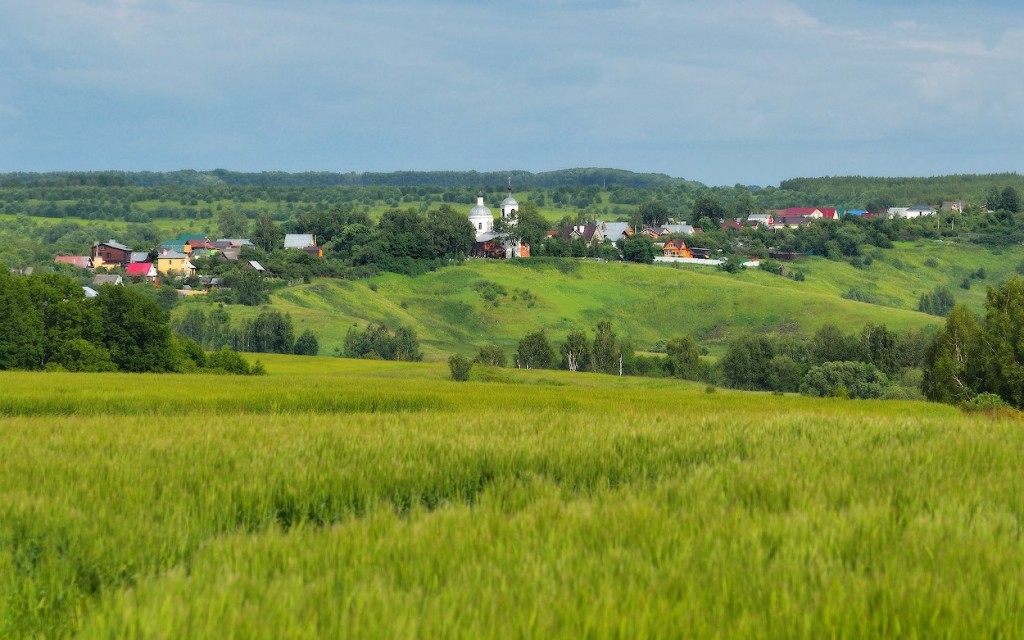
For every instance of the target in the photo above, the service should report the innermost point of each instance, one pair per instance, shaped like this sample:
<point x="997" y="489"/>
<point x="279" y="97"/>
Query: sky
<point x="719" y="91"/>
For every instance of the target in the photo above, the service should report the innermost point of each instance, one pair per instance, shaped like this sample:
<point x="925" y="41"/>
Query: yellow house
<point x="174" y="263"/>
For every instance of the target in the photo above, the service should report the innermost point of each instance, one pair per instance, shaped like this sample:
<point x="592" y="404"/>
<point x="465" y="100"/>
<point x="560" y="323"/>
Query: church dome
<point x="509" y="201"/>
<point x="480" y="211"/>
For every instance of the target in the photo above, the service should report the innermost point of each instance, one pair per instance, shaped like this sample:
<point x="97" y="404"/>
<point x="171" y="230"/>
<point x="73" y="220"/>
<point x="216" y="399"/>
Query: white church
<point x="490" y="243"/>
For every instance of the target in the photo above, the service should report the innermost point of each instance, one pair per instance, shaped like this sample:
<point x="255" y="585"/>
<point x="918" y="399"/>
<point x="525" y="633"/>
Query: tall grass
<point x="397" y="503"/>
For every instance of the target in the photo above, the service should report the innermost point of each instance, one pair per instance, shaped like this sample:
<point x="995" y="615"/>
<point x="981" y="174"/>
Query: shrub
<point x="859" y="295"/>
<point x="229" y="361"/>
<point x="937" y="303"/>
<point x="307" y="344"/>
<point x="492" y="355"/>
<point x="844" y="379"/>
<point x="985" y="402"/>
<point x="931" y="262"/>
<point x="459" y="366"/>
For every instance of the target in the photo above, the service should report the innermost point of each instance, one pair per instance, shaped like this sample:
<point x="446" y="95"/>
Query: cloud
<point x="445" y="83"/>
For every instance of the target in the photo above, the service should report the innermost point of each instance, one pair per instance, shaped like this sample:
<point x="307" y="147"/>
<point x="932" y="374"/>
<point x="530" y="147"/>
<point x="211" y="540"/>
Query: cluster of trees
<point x="47" y="322"/>
<point x="809" y="365"/>
<point x="974" y="355"/>
<point x="378" y="342"/>
<point x="269" y="332"/>
<point x="872" y="363"/>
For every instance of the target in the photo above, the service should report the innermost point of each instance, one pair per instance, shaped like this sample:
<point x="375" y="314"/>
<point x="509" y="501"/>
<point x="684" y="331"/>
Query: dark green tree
<point x="653" y="213"/>
<point x="491" y="355"/>
<point x="849" y="379"/>
<point x="605" y="354"/>
<point x="707" y="205"/>
<point x="448" y="233"/>
<point x="1009" y="200"/>
<point x="534" y="351"/>
<point x="953" y="363"/>
<point x="830" y="344"/>
<point x="639" y="248"/>
<point x="307" y="344"/>
<point x="136" y="331"/>
<point x="267" y="235"/>
<point x="576" y="351"/>
<point x="460" y="367"/>
<point x="232" y="224"/>
<point x="22" y="337"/>
<point x="684" y="358"/>
<point x="881" y="347"/>
<point x="747" y="363"/>
<point x="1003" y="355"/>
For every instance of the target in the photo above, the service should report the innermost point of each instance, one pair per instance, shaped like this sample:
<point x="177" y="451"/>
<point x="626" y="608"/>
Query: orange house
<point x="676" y="249"/>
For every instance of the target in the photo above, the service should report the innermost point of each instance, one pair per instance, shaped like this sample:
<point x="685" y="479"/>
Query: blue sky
<point x="720" y="91"/>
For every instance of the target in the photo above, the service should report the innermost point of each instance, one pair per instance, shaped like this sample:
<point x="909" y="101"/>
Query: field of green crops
<point x="335" y="498"/>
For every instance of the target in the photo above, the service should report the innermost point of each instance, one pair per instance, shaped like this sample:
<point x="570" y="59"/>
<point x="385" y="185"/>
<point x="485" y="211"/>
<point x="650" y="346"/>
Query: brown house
<point x="111" y="253"/>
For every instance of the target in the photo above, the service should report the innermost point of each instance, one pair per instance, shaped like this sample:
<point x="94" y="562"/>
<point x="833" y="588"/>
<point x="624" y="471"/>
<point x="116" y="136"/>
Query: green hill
<point x="460" y="308"/>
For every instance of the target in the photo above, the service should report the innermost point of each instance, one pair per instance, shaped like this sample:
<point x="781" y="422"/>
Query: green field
<point x="336" y="498"/>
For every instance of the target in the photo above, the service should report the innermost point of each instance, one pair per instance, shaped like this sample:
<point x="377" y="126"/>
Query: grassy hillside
<point x="461" y="308"/>
<point x="336" y="498"/>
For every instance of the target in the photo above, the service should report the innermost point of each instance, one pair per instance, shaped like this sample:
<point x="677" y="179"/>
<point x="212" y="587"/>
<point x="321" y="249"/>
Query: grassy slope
<point x="646" y="304"/>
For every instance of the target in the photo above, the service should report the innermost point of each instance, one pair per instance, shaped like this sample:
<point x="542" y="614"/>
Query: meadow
<point x="371" y="499"/>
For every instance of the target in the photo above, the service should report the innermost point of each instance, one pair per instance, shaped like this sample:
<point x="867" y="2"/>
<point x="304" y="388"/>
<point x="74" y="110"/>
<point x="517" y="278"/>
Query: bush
<point x="859" y="295"/>
<point x="931" y="262"/>
<point x="491" y="355"/>
<point x="228" y="361"/>
<point x="985" y="402"/>
<point x="937" y="303"/>
<point x="844" y="379"/>
<point x="460" y="366"/>
<point x="376" y="342"/>
<point x="307" y="344"/>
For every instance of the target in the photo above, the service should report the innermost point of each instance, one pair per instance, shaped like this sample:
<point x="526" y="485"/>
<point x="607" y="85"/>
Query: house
<point x="790" y="222"/>
<point x="676" y="249"/>
<point x="222" y="243"/>
<point x="615" y="231"/>
<point x="255" y="266"/>
<point x="668" y="230"/>
<point x="764" y="219"/>
<point x="952" y="205"/>
<point x="590" y="233"/>
<point x="90" y="292"/>
<point x="107" y="278"/>
<point x="678" y="229"/>
<point x="139" y="271"/>
<point x="919" y="210"/>
<point x="174" y="263"/>
<point x="139" y="256"/>
<point x="303" y="242"/>
<point x="111" y="253"/>
<point x="82" y="262"/>
<point x="734" y="225"/>
<point x="701" y="253"/>
<point x="200" y="247"/>
<point x="818" y="213"/>
<point x="915" y="211"/>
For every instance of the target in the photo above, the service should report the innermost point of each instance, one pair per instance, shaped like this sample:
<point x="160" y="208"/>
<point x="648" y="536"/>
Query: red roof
<point x="139" y="268"/>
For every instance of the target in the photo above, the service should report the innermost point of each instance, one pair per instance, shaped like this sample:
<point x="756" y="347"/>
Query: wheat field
<point x="339" y="498"/>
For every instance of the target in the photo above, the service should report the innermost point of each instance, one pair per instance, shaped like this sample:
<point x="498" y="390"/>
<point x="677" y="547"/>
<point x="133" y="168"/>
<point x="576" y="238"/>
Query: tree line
<point x="48" y="323"/>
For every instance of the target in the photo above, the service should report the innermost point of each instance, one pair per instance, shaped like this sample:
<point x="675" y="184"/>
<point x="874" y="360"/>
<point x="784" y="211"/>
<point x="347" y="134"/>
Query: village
<point x="112" y="262"/>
